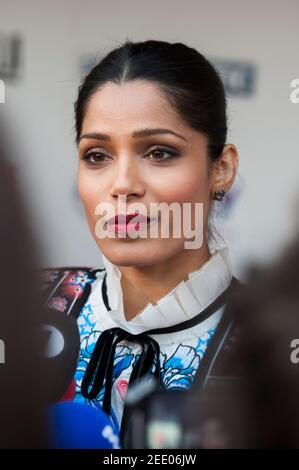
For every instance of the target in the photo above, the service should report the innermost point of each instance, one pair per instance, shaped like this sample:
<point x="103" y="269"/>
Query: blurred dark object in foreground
<point x="268" y="313"/>
<point x="250" y="399"/>
<point x="21" y="372"/>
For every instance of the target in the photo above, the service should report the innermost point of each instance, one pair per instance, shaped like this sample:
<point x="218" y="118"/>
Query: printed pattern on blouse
<point x="178" y="362"/>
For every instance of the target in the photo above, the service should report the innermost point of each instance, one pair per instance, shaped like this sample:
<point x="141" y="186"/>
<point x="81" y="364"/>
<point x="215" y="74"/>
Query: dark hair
<point x="188" y="79"/>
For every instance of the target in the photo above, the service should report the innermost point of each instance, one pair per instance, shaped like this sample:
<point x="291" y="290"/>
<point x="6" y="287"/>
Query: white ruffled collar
<point x="183" y="302"/>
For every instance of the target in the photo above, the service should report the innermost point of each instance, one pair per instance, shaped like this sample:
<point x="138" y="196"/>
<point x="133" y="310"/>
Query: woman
<point x="151" y="128"/>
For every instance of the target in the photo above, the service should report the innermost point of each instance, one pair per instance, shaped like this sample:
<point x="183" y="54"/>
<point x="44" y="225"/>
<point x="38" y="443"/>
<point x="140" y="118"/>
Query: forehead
<point x="130" y="105"/>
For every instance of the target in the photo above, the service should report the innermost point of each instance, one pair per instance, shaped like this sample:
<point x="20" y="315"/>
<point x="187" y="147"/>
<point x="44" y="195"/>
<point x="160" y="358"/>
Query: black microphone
<point x="59" y="341"/>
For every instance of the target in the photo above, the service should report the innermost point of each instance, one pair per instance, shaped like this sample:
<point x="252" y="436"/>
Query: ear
<point x="224" y="169"/>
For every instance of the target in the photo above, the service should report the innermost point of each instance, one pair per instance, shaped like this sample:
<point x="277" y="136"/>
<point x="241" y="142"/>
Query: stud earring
<point x="219" y="194"/>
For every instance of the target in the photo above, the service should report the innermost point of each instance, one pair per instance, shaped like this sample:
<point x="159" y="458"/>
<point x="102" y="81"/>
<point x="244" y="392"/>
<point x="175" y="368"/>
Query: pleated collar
<point x="182" y="303"/>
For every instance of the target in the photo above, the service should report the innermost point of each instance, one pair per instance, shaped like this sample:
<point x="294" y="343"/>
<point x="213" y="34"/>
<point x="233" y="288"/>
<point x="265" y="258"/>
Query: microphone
<point x="74" y="425"/>
<point x="59" y="342"/>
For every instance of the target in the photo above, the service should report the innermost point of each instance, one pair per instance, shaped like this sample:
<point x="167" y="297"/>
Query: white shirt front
<point x="180" y="352"/>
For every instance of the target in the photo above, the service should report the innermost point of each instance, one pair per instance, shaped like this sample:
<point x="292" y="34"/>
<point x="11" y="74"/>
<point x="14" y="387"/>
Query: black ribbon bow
<point x="100" y="367"/>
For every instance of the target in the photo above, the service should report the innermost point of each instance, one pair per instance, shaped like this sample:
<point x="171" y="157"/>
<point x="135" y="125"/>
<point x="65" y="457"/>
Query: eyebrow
<point x="137" y="134"/>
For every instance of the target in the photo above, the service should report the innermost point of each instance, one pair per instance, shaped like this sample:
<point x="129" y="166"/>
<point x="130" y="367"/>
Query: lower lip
<point x="130" y="227"/>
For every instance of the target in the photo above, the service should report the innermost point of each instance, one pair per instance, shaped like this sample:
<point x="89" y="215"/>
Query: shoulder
<point x="81" y="274"/>
<point x="67" y="288"/>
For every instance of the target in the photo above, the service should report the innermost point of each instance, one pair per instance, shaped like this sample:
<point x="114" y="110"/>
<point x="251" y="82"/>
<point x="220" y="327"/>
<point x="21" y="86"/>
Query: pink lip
<point x="124" y="223"/>
<point x="122" y="219"/>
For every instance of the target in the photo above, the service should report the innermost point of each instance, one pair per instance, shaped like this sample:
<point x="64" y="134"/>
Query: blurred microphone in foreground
<point x="21" y="374"/>
<point x="75" y="425"/>
<point x="251" y="397"/>
<point x="268" y="345"/>
<point x="39" y="346"/>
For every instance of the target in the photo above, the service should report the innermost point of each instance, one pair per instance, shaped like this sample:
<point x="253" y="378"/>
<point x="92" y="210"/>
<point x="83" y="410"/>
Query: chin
<point x="124" y="258"/>
<point x="138" y="253"/>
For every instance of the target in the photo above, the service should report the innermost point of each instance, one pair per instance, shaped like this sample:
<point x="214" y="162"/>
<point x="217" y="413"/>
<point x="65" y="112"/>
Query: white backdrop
<point x="58" y="34"/>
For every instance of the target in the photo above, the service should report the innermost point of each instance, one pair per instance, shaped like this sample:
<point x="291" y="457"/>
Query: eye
<point x="94" y="157"/>
<point x="158" y="153"/>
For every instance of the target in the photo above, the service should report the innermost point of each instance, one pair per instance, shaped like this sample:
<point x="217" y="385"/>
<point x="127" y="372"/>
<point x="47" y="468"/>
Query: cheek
<point x="89" y="191"/>
<point x="189" y="184"/>
<point x="183" y="186"/>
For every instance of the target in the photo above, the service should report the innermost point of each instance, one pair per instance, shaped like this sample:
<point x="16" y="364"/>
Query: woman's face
<point x="130" y="165"/>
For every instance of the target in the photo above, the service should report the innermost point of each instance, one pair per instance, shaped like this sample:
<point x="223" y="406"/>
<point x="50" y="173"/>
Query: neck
<point x="143" y="284"/>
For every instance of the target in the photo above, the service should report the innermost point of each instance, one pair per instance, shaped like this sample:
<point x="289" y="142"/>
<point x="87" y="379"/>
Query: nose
<point x="126" y="180"/>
